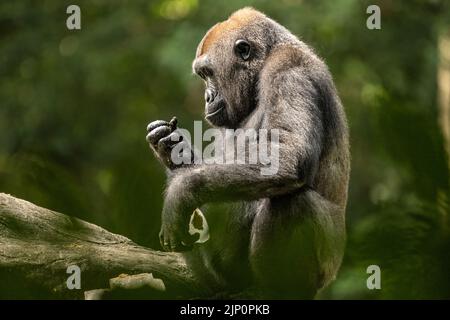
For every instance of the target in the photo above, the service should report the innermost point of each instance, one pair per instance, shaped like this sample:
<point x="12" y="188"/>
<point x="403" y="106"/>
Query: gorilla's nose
<point x="209" y="95"/>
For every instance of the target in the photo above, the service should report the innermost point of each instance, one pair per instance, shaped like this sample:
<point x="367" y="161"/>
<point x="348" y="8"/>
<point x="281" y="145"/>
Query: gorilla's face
<point x="230" y="68"/>
<point x="217" y="107"/>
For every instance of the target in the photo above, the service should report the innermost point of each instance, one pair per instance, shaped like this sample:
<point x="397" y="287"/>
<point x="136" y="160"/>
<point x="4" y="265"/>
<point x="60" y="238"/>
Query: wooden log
<point x="37" y="246"/>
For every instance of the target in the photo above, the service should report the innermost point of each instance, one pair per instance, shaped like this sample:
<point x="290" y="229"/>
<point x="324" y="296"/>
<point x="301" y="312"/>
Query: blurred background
<point x="74" y="106"/>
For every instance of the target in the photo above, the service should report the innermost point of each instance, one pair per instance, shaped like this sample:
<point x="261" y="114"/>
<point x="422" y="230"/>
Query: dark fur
<point x="286" y="233"/>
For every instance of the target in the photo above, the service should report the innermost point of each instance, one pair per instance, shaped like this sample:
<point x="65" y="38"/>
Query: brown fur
<point x="237" y="20"/>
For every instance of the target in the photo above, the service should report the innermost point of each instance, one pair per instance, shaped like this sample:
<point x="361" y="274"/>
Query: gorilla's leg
<point x="295" y="247"/>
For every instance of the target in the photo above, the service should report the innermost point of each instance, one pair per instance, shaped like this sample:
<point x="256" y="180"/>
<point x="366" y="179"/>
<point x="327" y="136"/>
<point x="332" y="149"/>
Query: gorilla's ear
<point x="242" y="49"/>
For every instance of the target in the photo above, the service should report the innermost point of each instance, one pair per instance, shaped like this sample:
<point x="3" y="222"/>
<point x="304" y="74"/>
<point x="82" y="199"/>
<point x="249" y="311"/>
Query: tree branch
<point x="37" y="245"/>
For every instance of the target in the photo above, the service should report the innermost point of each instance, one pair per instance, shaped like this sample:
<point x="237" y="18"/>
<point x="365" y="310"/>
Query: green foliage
<point x="74" y="106"/>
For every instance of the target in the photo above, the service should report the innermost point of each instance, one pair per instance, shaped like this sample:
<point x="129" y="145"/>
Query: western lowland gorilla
<point x="283" y="235"/>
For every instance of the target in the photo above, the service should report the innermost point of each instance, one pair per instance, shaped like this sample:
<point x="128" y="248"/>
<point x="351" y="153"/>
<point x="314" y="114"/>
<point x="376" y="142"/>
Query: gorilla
<point x="283" y="235"/>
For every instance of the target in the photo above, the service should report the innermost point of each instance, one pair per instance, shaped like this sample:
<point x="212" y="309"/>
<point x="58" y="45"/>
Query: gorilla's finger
<point x="156" y="134"/>
<point x="173" y="123"/>
<point x="166" y="242"/>
<point x="155" y="124"/>
<point x="166" y="143"/>
<point x="174" y="244"/>
<point x="180" y="246"/>
<point x="161" y="239"/>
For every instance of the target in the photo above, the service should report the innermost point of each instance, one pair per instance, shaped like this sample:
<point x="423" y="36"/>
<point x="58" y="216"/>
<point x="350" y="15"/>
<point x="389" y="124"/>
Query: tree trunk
<point x="443" y="81"/>
<point x="444" y="87"/>
<point x="38" y="245"/>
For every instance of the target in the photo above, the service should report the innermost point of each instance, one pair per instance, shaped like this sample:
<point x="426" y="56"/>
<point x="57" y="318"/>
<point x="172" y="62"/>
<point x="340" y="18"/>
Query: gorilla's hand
<point x="174" y="234"/>
<point x="162" y="138"/>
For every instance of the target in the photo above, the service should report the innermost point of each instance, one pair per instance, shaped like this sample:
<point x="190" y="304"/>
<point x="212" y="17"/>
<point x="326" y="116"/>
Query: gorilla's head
<point x="229" y="59"/>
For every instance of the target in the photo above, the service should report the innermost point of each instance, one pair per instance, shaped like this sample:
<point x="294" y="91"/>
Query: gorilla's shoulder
<point x="285" y="57"/>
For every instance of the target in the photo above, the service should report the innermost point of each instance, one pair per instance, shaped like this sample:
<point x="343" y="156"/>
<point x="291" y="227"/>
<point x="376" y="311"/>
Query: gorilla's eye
<point x="242" y="49"/>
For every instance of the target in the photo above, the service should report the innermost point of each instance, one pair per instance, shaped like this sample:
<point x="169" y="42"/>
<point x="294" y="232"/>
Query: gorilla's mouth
<point x="214" y="108"/>
<point x="210" y="114"/>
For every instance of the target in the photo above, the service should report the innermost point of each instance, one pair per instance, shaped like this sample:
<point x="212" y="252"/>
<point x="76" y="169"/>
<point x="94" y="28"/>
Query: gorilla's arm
<point x="294" y="110"/>
<point x="297" y="116"/>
